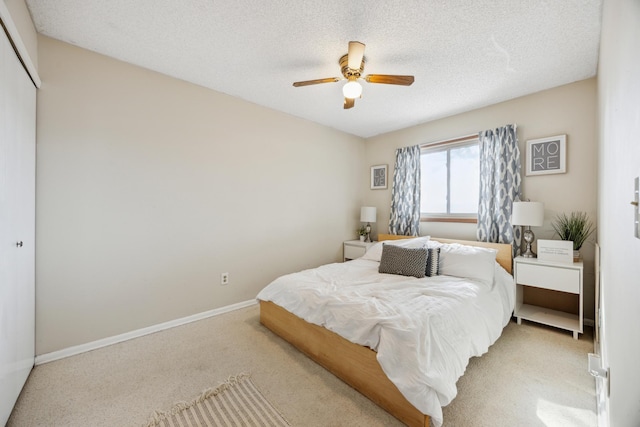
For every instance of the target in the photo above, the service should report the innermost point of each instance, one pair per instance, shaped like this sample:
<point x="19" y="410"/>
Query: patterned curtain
<point x="405" y="194"/>
<point x="499" y="186"/>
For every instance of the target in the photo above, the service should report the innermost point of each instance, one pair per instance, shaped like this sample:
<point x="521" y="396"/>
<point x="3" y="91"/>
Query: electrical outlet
<point x="224" y="279"/>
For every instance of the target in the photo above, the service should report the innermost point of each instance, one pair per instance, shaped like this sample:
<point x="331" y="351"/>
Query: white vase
<point x="362" y="238"/>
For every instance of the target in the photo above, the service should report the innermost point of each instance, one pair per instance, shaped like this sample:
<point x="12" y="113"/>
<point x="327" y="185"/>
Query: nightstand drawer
<point x="353" y="252"/>
<point x="554" y="278"/>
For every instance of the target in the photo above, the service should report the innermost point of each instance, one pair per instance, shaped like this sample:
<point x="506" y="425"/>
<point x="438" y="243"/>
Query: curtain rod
<point x="450" y="141"/>
<point x="464" y="138"/>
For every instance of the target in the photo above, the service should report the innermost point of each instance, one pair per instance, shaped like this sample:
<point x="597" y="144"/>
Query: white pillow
<point x="432" y="244"/>
<point x="468" y="262"/>
<point x="374" y="253"/>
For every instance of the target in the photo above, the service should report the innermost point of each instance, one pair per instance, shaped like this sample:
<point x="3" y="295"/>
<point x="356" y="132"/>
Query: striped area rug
<point x="237" y="402"/>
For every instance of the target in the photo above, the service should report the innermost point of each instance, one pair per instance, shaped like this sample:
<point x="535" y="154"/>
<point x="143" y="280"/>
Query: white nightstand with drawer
<point x="353" y="249"/>
<point x="555" y="276"/>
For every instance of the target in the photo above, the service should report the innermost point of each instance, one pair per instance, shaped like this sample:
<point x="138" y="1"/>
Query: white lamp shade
<point x="352" y="89"/>
<point x="367" y="214"/>
<point x="527" y="213"/>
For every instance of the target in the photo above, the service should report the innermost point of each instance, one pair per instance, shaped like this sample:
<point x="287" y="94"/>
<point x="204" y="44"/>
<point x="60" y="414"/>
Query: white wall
<point x="619" y="163"/>
<point x="569" y="109"/>
<point x="22" y="20"/>
<point x="149" y="188"/>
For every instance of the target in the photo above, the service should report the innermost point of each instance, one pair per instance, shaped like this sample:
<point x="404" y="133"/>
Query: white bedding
<point x="424" y="330"/>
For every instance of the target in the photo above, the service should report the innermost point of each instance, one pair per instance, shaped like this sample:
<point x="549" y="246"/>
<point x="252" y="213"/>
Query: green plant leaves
<point x="576" y="227"/>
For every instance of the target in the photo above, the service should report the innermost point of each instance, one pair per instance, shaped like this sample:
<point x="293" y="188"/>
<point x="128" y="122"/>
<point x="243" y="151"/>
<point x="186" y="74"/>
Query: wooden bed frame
<point x="355" y="364"/>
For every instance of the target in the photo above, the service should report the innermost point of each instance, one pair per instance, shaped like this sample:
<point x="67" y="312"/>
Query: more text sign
<point x="546" y="155"/>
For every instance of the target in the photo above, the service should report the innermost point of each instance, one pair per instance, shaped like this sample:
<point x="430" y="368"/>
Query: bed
<point x="371" y="372"/>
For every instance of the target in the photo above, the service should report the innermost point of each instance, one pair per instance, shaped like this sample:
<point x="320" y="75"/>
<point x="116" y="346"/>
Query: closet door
<point x="17" y="226"/>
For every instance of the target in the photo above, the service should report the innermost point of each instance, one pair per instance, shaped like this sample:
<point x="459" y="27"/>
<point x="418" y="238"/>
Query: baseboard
<point x="82" y="348"/>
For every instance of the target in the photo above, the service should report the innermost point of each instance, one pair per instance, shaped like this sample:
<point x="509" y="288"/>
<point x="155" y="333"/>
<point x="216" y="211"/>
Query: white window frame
<point x="448" y="145"/>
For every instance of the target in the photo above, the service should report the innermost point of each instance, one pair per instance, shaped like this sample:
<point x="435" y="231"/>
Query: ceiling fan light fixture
<point x="352" y="89"/>
<point x="352" y="68"/>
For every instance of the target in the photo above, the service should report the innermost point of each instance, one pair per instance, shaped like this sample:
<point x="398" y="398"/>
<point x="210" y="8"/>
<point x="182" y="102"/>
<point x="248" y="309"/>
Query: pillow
<point x="435" y="244"/>
<point x="403" y="261"/>
<point x="468" y="262"/>
<point x="374" y="253"/>
<point x="433" y="262"/>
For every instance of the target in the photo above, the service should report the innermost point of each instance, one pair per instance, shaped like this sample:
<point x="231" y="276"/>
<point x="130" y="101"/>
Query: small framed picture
<point x="378" y="177"/>
<point x="547" y="155"/>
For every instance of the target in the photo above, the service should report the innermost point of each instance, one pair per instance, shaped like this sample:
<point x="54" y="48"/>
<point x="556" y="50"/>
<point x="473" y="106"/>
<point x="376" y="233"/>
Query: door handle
<point x="19" y="244"/>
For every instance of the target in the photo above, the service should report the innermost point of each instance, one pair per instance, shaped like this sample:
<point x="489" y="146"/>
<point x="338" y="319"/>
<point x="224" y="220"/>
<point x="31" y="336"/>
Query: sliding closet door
<point x="17" y="226"/>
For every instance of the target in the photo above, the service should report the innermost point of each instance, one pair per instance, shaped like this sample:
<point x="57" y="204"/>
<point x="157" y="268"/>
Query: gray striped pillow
<point x="433" y="263"/>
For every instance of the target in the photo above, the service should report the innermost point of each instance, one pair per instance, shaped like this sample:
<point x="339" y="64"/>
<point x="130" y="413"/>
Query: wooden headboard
<point x="504" y="255"/>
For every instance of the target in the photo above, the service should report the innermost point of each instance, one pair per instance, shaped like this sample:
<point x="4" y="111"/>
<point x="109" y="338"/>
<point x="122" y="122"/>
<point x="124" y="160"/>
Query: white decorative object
<point x="556" y="250"/>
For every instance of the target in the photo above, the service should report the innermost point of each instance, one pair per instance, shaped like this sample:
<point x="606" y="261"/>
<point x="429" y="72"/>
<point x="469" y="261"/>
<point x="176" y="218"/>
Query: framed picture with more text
<point x="547" y="155"/>
<point x="378" y="177"/>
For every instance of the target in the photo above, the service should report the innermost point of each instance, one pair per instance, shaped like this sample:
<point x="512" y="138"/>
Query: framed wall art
<point x="378" y="177"/>
<point x="547" y="155"/>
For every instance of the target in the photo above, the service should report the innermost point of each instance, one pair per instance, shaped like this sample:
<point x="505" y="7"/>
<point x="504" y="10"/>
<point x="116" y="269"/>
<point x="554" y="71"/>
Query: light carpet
<point x="236" y="402"/>
<point x="533" y="376"/>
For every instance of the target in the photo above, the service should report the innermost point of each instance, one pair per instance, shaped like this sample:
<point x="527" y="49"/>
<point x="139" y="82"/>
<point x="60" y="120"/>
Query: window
<point x="450" y="180"/>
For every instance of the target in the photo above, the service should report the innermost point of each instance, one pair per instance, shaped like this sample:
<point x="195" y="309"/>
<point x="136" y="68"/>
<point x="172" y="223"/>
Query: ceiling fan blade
<point x="317" y="81"/>
<point x="356" y="53"/>
<point x="349" y="103"/>
<point x="390" y="79"/>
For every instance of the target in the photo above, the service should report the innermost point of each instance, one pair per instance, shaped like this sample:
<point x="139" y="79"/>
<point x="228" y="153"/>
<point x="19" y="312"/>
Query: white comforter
<point x="424" y="330"/>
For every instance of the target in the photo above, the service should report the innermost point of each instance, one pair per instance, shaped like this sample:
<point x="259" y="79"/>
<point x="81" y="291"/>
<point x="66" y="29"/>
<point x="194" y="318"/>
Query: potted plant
<point x="576" y="227"/>
<point x="362" y="232"/>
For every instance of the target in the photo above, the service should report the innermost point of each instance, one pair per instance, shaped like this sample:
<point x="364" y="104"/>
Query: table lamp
<point x="368" y="215"/>
<point x="528" y="214"/>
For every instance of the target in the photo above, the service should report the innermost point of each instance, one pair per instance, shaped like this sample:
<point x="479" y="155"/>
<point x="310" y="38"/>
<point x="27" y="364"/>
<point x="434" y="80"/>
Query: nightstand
<point x="353" y="249"/>
<point x="553" y="276"/>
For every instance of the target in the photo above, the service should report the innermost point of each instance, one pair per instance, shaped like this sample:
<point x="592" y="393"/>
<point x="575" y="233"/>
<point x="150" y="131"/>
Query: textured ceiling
<point x="464" y="54"/>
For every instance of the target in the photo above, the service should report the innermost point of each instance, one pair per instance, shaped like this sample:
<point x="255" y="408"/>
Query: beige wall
<point x="569" y="110"/>
<point x="619" y="161"/>
<point x="148" y="188"/>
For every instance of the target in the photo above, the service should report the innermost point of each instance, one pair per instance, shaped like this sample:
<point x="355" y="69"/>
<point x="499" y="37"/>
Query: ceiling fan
<point x="352" y="66"/>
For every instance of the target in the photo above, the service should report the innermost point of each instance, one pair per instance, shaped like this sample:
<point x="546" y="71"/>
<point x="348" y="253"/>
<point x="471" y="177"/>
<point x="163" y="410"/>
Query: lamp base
<point x="529" y="237"/>
<point x="368" y="239"/>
